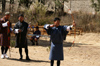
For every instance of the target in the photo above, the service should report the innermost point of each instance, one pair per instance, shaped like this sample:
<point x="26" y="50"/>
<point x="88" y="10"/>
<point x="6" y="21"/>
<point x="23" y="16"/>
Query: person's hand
<point x="8" y="23"/>
<point x="19" y="30"/>
<point x="52" y="25"/>
<point x="74" y="24"/>
<point x="30" y="26"/>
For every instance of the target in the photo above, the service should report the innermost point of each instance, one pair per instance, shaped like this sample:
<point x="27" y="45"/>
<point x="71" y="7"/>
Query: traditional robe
<point x="57" y="35"/>
<point x="21" y="40"/>
<point x="5" y="32"/>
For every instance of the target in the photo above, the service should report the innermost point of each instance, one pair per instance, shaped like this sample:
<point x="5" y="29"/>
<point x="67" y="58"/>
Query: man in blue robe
<point x="57" y="35"/>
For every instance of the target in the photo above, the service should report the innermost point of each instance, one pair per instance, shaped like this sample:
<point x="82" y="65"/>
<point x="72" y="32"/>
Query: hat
<point x="7" y="13"/>
<point x="55" y="19"/>
<point x="21" y="15"/>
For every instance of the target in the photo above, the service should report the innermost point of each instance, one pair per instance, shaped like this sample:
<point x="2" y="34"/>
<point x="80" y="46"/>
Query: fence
<point x="43" y="31"/>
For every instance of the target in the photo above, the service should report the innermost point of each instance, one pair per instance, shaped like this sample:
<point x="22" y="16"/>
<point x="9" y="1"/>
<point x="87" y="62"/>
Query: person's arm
<point x="48" y="28"/>
<point x="68" y="28"/>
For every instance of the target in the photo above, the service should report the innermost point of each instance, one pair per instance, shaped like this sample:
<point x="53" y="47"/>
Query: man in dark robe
<point x="57" y="35"/>
<point x="20" y="30"/>
<point x="36" y="36"/>
<point x="5" y="27"/>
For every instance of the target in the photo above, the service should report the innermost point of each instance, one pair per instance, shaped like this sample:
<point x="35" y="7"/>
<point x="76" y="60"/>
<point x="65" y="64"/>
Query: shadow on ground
<point x="38" y="61"/>
<point x="45" y="43"/>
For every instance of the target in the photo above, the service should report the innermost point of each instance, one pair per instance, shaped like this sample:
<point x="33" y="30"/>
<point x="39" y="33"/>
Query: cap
<point x="57" y="19"/>
<point x="7" y="13"/>
<point x="21" y="15"/>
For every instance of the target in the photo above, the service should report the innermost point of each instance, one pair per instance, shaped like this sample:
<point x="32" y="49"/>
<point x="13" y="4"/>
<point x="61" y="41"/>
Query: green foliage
<point x="37" y="13"/>
<point x="59" y="7"/>
<point x="25" y="2"/>
<point x="11" y="1"/>
<point x="96" y="5"/>
<point x="12" y="43"/>
<point x="88" y="22"/>
<point x="42" y="1"/>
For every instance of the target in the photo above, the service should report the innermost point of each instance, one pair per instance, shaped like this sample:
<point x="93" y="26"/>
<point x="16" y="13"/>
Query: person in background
<point x="36" y="36"/>
<point x="5" y="31"/>
<point x="57" y="35"/>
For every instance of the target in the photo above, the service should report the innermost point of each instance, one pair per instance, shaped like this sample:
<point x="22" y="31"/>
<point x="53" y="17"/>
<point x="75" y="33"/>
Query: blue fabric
<point x="56" y="52"/>
<point x="57" y="36"/>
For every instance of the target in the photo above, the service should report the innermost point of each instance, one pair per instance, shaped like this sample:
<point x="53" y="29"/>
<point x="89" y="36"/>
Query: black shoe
<point x="27" y="58"/>
<point x="21" y="58"/>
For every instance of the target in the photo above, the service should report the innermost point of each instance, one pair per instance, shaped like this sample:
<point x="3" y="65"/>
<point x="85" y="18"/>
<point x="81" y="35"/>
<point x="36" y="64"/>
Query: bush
<point x="88" y="22"/>
<point x="37" y="14"/>
<point x="12" y="43"/>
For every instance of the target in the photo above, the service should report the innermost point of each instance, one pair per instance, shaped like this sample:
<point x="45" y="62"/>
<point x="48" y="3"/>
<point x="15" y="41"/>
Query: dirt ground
<point x="86" y="52"/>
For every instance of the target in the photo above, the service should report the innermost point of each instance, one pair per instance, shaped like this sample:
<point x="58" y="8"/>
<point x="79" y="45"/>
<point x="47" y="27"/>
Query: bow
<point x="74" y="26"/>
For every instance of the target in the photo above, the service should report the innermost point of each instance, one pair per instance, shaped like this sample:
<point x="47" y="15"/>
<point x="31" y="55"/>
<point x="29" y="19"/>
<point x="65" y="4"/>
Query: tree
<point x="11" y="6"/>
<point x="3" y="5"/>
<point x="11" y="1"/>
<point x="59" y="6"/>
<point x="25" y="2"/>
<point x="42" y="1"/>
<point x="96" y="5"/>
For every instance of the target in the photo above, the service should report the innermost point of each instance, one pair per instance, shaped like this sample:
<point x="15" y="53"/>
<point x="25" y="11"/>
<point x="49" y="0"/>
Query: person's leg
<point x="2" y="52"/>
<point x="36" y="40"/>
<point x="52" y="62"/>
<point x="20" y="52"/>
<point x="2" y="49"/>
<point x="6" y="49"/>
<point x="26" y="51"/>
<point x="32" y="40"/>
<point x="58" y="62"/>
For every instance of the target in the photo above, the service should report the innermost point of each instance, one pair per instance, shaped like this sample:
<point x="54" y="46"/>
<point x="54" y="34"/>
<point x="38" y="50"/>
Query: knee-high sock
<point x="58" y="62"/>
<point x="26" y="51"/>
<point x="52" y="62"/>
<point x="2" y="49"/>
<point x="20" y="51"/>
<point x="32" y="42"/>
<point x="6" y="49"/>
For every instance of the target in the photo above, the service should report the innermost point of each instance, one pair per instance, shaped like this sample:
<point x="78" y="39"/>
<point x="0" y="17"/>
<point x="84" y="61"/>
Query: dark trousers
<point x="26" y="51"/>
<point x="58" y="62"/>
<point x="4" y="49"/>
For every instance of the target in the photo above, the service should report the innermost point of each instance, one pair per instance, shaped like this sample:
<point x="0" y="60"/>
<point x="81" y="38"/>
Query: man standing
<point x="21" y="41"/>
<point x="5" y="26"/>
<point x="57" y="35"/>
